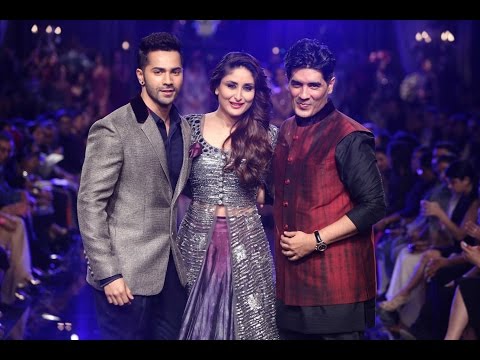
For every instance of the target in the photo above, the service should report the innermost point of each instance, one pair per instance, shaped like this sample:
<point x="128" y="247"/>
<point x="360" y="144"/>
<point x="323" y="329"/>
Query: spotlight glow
<point x="50" y="317"/>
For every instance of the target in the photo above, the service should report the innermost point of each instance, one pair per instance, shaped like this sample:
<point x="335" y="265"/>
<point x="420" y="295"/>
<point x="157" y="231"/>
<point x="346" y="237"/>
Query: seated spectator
<point x="13" y="237"/>
<point x="464" y="201"/>
<point x="465" y="310"/>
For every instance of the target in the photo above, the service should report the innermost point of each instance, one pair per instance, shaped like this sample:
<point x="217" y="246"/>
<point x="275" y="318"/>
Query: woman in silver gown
<point x="229" y="265"/>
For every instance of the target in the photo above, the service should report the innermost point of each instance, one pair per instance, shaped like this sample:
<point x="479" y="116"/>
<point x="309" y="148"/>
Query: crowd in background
<point x="427" y="144"/>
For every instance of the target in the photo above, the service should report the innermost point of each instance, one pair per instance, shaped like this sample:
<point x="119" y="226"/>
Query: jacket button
<point x="287" y="181"/>
<point x="290" y="159"/>
<point x="285" y="203"/>
<point x="285" y="227"/>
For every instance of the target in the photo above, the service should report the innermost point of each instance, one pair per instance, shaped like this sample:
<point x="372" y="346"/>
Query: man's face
<point x="458" y="186"/>
<point x="439" y="168"/>
<point x="5" y="151"/>
<point x="309" y="91"/>
<point x="382" y="161"/>
<point x="163" y="77"/>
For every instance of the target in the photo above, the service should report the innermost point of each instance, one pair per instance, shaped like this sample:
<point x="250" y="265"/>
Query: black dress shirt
<point x="173" y="144"/>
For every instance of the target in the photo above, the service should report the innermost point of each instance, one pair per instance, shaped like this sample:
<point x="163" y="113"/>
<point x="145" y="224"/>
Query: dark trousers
<point x="156" y="317"/>
<point x="293" y="335"/>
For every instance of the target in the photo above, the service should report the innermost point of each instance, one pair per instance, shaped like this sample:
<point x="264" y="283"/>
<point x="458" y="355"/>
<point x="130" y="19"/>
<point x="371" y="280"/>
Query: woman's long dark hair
<point x="250" y="139"/>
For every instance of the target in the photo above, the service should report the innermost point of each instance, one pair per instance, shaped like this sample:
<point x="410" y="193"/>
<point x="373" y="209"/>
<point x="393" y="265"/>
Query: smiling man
<point x="328" y="194"/>
<point x="135" y="168"/>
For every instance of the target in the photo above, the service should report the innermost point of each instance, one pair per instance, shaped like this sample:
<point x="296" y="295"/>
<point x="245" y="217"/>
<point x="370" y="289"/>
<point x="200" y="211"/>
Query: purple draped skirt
<point x="209" y="311"/>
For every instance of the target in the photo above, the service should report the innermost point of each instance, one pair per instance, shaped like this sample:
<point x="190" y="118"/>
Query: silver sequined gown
<point x="252" y="277"/>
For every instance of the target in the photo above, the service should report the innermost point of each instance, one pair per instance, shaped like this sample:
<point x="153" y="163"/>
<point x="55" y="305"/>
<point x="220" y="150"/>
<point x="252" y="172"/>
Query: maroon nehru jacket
<point x="309" y="195"/>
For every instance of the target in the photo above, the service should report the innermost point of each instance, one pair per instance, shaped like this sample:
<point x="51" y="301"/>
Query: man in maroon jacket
<point x="328" y="194"/>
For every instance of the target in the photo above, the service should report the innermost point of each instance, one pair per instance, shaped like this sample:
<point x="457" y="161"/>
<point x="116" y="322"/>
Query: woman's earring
<point x="216" y="92"/>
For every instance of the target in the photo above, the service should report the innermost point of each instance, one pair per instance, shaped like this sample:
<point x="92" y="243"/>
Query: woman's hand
<point x="261" y="195"/>
<point x="471" y="253"/>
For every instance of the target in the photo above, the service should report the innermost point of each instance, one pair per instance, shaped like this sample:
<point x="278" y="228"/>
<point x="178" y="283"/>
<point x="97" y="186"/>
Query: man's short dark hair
<point x="163" y="41"/>
<point x="309" y="53"/>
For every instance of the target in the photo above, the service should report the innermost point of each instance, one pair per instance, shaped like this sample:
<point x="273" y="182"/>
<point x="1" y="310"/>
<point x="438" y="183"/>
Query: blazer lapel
<point x="185" y="171"/>
<point x="150" y="129"/>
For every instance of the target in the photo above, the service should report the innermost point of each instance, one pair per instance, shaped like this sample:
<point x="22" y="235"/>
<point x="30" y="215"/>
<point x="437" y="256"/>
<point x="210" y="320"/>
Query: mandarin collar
<point x="319" y="116"/>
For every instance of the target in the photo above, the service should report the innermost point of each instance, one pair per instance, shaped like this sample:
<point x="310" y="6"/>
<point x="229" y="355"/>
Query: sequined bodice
<point x="210" y="183"/>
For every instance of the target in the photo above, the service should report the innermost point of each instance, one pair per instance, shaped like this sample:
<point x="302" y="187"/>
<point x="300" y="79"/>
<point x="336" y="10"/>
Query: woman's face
<point x="236" y="92"/>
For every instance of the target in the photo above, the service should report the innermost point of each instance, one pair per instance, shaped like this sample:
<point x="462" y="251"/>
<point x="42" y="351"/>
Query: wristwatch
<point x="320" y="246"/>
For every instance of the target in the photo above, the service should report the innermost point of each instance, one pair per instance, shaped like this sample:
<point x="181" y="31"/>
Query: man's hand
<point x="297" y="244"/>
<point x="118" y="293"/>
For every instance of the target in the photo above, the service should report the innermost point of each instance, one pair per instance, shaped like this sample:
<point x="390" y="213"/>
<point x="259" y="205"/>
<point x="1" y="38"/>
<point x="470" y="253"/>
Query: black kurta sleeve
<point x="358" y="171"/>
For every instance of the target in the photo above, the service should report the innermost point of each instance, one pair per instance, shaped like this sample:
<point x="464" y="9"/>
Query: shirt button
<point x="285" y="227"/>
<point x="295" y="137"/>
<point x="285" y="203"/>
<point x="290" y="159"/>
<point x="287" y="181"/>
<point x="220" y="202"/>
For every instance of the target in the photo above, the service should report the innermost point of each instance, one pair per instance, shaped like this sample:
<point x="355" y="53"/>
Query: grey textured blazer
<point x="127" y="210"/>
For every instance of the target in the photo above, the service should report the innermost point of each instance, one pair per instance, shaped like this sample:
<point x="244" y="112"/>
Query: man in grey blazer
<point x="136" y="166"/>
